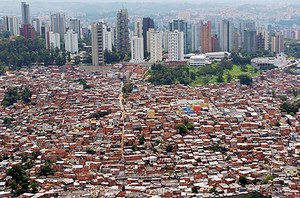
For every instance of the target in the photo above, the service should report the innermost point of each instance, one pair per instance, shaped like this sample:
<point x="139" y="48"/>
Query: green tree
<point x="90" y="151"/>
<point x="141" y="139"/>
<point x="245" y="79"/>
<point x="228" y="78"/>
<point x="26" y="95"/>
<point x="181" y="128"/>
<point x="195" y="189"/>
<point x="20" y="182"/>
<point x="220" y="78"/>
<point x="289" y="108"/>
<point x="47" y="169"/>
<point x="243" y="180"/>
<point x="169" y="148"/>
<point x="34" y="187"/>
<point x="11" y="96"/>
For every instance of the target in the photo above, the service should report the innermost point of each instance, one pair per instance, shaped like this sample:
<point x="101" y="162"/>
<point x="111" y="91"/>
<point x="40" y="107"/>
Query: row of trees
<point x="290" y="108"/>
<point x="23" y="52"/>
<point x="115" y="56"/>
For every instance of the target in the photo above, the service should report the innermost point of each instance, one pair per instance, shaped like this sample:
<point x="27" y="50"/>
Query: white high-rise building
<point x="137" y="43"/>
<point x="11" y="24"/>
<point x="155" y="47"/>
<point x="75" y="26"/>
<point x="151" y="30"/>
<point x="107" y="38"/>
<point x="138" y="30"/>
<point x="137" y="49"/>
<point x="175" y="46"/>
<point x="97" y="44"/>
<point x="53" y="40"/>
<point x="196" y="36"/>
<point x="265" y="35"/>
<point x="277" y="46"/>
<point x="226" y="35"/>
<point x="71" y="42"/>
<point x="165" y="40"/>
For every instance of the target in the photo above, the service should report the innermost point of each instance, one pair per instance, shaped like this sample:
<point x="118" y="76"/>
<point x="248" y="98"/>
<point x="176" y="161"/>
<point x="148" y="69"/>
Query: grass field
<point x="234" y="72"/>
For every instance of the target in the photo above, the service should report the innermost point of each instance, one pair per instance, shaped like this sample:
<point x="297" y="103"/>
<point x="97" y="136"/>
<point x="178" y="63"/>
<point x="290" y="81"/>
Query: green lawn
<point x="234" y="72"/>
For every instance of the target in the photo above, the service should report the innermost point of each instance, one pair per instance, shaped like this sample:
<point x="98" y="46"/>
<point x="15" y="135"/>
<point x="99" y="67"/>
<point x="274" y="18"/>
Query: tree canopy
<point x="245" y="79"/>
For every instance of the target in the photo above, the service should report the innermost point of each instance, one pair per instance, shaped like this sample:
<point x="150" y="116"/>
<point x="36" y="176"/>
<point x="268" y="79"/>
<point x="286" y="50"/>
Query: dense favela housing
<point x="191" y="102"/>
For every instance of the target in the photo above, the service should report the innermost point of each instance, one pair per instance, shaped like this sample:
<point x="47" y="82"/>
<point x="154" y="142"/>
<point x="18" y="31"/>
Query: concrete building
<point x="25" y="13"/>
<point x="199" y="60"/>
<point x="226" y="36"/>
<point x="27" y="31"/>
<point x="97" y="44"/>
<point x="175" y="46"/>
<point x="245" y="25"/>
<point x="196" y="36"/>
<point x="137" y="42"/>
<point x="155" y="47"/>
<point x="137" y="49"/>
<point x="108" y="38"/>
<point x="52" y="40"/>
<point x="36" y="23"/>
<point x="277" y="43"/>
<point x="265" y="36"/>
<point x="123" y="43"/>
<point x="11" y="24"/>
<point x="148" y="23"/>
<point x="250" y="42"/>
<point x="180" y="26"/>
<point x="71" y="42"/>
<point x="58" y="24"/>
<point x="75" y="26"/>
<point x="206" y="40"/>
<point x="138" y="27"/>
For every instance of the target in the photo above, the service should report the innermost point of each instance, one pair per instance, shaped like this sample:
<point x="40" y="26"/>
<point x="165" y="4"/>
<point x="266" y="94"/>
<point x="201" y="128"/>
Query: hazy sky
<point x="177" y="1"/>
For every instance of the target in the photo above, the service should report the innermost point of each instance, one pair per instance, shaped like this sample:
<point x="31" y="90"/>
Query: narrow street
<point x="122" y="119"/>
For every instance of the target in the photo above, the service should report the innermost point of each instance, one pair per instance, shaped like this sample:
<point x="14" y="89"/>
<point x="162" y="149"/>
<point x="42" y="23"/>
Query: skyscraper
<point x="175" y="46"/>
<point x="27" y="31"/>
<point x="11" y="24"/>
<point x="155" y="47"/>
<point x="97" y="44"/>
<point x="226" y="36"/>
<point x="25" y="13"/>
<point x="137" y="42"/>
<point x="123" y="43"/>
<point x="180" y="26"/>
<point x="52" y="40"/>
<point x="196" y="36"/>
<point x="58" y="24"/>
<point x="206" y="40"/>
<point x="277" y="43"/>
<point x="137" y="49"/>
<point x="250" y="44"/>
<point x="36" y="23"/>
<point x="265" y="35"/>
<point x="147" y="24"/>
<point x="246" y="25"/>
<point x="71" y="42"/>
<point x="75" y="26"/>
